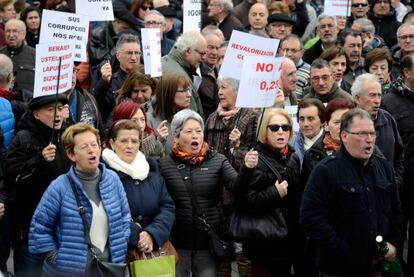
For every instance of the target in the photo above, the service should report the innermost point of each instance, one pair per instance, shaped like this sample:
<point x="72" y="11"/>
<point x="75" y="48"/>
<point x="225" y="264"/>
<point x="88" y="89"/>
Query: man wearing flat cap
<point x="169" y="14"/>
<point x="279" y="25"/>
<point x="34" y="158"/>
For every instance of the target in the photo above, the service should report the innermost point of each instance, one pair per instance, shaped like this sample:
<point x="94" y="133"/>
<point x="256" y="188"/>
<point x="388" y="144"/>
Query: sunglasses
<point x="359" y="5"/>
<point x="276" y="127"/>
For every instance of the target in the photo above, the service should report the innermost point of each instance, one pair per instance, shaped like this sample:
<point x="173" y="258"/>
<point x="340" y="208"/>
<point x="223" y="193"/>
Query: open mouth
<point x="195" y="145"/>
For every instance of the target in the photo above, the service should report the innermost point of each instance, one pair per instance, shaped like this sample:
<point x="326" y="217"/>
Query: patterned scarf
<point x="330" y="144"/>
<point x="184" y="156"/>
<point x="226" y="115"/>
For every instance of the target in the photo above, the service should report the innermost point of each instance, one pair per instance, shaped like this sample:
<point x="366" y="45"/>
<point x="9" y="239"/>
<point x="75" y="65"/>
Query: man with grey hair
<point x="154" y="19"/>
<point x="366" y="92"/>
<point x="322" y="84"/>
<point x="405" y="37"/>
<point x="22" y="56"/>
<point x="220" y="12"/>
<point x="349" y="199"/>
<point x="128" y="53"/>
<point x="326" y="30"/>
<point x="184" y="59"/>
<point x="370" y="39"/>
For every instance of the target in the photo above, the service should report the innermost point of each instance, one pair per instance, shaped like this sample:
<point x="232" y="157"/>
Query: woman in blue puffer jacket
<point x="57" y="229"/>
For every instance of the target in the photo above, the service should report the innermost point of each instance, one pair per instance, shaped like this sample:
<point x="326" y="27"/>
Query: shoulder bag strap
<point x="271" y="167"/>
<point x="193" y="196"/>
<point x="81" y="213"/>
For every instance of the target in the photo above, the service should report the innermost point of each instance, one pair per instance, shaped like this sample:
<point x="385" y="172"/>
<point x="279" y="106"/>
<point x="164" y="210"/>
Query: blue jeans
<point x="198" y="262"/>
<point x="27" y="264"/>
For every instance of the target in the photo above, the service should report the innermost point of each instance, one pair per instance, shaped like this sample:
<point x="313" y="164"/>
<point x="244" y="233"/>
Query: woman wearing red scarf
<point x="266" y="194"/>
<point x="195" y="170"/>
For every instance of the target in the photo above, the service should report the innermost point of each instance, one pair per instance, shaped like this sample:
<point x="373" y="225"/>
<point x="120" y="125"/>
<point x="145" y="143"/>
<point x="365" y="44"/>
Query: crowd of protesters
<point x="139" y="150"/>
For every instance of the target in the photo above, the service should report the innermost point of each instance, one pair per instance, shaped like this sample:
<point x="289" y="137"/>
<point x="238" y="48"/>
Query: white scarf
<point x="138" y="169"/>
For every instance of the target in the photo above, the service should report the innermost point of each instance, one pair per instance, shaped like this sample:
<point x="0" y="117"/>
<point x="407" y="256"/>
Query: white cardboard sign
<point x="192" y="15"/>
<point x="151" y="45"/>
<point x="47" y="67"/>
<point x="259" y="82"/>
<point x="242" y="45"/>
<point x="337" y="7"/>
<point x="63" y="27"/>
<point x="97" y="10"/>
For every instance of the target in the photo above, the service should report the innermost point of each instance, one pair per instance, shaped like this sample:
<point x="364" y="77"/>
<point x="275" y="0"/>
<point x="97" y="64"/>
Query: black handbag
<point x="222" y="250"/>
<point x="96" y="267"/>
<point x="268" y="225"/>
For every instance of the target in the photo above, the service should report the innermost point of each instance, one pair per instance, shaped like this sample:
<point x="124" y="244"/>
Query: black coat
<point x="386" y="27"/>
<point x="261" y="195"/>
<point x="207" y="181"/>
<point x="345" y="206"/>
<point x="400" y="103"/>
<point x="28" y="172"/>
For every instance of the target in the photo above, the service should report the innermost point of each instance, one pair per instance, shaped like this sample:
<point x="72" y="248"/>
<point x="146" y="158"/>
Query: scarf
<point x="137" y="170"/>
<point x="184" y="156"/>
<point x="226" y="115"/>
<point x="284" y="151"/>
<point x="330" y="144"/>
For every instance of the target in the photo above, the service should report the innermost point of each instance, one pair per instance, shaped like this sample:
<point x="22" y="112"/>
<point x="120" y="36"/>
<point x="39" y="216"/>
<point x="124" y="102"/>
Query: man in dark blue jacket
<point x="350" y="199"/>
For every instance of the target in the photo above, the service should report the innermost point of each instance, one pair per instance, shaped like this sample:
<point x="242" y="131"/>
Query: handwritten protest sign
<point x="337" y="7"/>
<point x="259" y="82"/>
<point x="96" y="10"/>
<point x="242" y="45"/>
<point x="61" y="27"/>
<point x="151" y="44"/>
<point x="192" y="15"/>
<point x="47" y="67"/>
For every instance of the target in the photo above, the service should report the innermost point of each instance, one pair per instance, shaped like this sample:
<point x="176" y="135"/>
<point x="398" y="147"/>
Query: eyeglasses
<point x="359" y="5"/>
<point x="324" y="78"/>
<point x="363" y="134"/>
<point x="202" y="53"/>
<point x="183" y="90"/>
<point x="276" y="127"/>
<point x="153" y="23"/>
<point x="405" y="37"/>
<point x="293" y="50"/>
<point x="130" y="53"/>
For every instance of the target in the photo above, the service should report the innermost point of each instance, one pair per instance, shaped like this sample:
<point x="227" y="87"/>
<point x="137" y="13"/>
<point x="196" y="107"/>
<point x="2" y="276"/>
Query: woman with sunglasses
<point x="266" y="193"/>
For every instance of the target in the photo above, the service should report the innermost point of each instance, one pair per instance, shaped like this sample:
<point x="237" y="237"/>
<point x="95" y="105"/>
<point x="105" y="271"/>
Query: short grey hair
<point x="187" y="40"/>
<point x="323" y="16"/>
<point x="234" y="83"/>
<point x="357" y="87"/>
<point x="366" y="25"/>
<point x="155" y="12"/>
<point x="182" y="117"/>
<point x="126" y="38"/>
<point x="292" y="36"/>
<point x="348" y="117"/>
<point x="319" y="64"/>
<point x="22" y="25"/>
<point x="227" y="5"/>
<point x="404" y="25"/>
<point x="6" y="67"/>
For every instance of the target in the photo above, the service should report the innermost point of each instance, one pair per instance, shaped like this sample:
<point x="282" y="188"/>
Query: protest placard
<point x="337" y="7"/>
<point x="192" y="15"/>
<point x="293" y="111"/>
<point x="151" y="45"/>
<point x="259" y="82"/>
<point x="63" y="27"/>
<point x="47" y="67"/>
<point x="96" y="10"/>
<point x="242" y="45"/>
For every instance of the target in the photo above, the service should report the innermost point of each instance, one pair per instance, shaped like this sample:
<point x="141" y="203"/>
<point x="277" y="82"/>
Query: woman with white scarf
<point x="151" y="206"/>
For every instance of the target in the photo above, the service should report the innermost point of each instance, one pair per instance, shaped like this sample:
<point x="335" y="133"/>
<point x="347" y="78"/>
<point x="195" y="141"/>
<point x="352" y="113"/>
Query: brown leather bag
<point x="167" y="249"/>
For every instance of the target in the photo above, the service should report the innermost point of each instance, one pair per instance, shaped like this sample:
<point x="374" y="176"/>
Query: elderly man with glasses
<point x="184" y="59"/>
<point x="154" y="19"/>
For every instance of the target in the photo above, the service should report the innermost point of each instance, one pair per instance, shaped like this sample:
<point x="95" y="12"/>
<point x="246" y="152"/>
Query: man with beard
<point x="352" y="44"/>
<point x="209" y="73"/>
<point x="326" y="30"/>
<point x="184" y="59"/>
